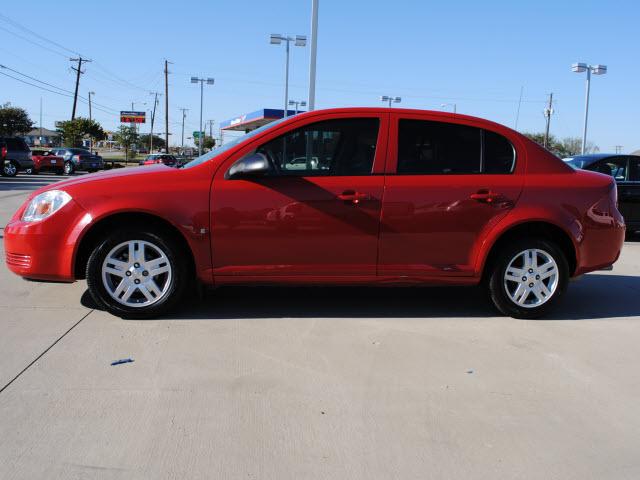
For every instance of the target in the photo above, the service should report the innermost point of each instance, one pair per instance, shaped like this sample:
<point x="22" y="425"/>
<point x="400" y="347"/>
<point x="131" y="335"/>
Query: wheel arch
<point x="532" y="229"/>
<point x="97" y="230"/>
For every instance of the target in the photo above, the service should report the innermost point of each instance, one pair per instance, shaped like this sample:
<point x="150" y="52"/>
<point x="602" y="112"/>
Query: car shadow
<point x="594" y="296"/>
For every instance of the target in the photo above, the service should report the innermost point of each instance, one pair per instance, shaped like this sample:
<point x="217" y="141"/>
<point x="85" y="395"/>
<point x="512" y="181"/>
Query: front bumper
<point x="45" y="250"/>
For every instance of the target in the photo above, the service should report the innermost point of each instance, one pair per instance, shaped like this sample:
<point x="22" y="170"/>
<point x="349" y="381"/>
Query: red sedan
<point x="343" y="196"/>
<point x="44" y="160"/>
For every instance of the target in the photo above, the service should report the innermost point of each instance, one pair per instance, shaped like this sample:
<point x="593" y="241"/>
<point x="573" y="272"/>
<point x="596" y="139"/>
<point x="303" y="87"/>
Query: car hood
<point x="104" y="177"/>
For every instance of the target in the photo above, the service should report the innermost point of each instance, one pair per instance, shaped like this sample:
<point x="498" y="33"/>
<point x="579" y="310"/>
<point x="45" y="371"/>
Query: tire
<point x="144" y="299"/>
<point x="528" y="290"/>
<point x="69" y="168"/>
<point x="10" y="169"/>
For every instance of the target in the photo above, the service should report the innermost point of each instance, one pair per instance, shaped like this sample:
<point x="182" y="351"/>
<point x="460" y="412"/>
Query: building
<point x="251" y="121"/>
<point x="43" y="137"/>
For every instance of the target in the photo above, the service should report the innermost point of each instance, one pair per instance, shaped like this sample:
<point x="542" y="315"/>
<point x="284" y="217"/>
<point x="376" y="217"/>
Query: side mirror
<point x="253" y="165"/>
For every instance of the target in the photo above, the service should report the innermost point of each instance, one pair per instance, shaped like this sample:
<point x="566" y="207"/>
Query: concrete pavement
<point x="328" y="383"/>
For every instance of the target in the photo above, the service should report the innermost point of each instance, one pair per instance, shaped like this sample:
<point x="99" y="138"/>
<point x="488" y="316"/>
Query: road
<point x="324" y="383"/>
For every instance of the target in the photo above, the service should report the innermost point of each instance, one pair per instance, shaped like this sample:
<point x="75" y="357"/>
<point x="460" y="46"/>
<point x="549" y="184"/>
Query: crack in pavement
<point x="46" y="350"/>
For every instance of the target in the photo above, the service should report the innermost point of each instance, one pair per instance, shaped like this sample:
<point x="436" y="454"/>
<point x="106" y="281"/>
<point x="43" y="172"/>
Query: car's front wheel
<point x="68" y="168"/>
<point x="528" y="278"/>
<point x="137" y="273"/>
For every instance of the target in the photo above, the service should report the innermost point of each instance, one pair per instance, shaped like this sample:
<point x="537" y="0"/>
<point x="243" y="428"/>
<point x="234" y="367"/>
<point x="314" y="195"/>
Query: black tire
<point x="180" y="279"/>
<point x="497" y="286"/>
<point x="10" y="168"/>
<point x="69" y="168"/>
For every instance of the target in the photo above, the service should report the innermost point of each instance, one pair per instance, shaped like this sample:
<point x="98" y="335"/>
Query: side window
<point x="634" y="169"/>
<point x="333" y="147"/>
<point x="614" y="166"/>
<point x="499" y="154"/>
<point x="436" y="148"/>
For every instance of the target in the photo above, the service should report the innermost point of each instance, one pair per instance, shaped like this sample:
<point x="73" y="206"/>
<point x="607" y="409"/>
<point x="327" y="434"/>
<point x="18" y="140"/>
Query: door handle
<point x="486" y="196"/>
<point x="351" y="196"/>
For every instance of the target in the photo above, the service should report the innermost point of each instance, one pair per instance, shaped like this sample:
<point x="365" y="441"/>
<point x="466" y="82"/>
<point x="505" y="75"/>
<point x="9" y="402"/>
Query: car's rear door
<point x="448" y="182"/>
<point x="316" y="214"/>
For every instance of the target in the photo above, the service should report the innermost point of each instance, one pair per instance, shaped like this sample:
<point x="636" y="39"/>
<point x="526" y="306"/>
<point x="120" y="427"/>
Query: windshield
<point x="227" y="146"/>
<point x="575" y="162"/>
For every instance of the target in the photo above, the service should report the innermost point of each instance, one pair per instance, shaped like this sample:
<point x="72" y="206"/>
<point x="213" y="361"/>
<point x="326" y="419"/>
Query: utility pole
<point x="184" y="115"/>
<point x="90" y="118"/>
<point x="166" y="104"/>
<point x="79" y="71"/>
<point x="41" y="120"/>
<point x="153" y="117"/>
<point x="210" y="122"/>
<point x="547" y="113"/>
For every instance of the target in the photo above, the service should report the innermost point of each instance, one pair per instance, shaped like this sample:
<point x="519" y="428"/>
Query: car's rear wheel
<point x="10" y="169"/>
<point x="137" y="273"/>
<point x="528" y="278"/>
<point x="68" y="168"/>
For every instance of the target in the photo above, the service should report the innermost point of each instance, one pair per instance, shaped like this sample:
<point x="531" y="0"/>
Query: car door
<point x="316" y="213"/>
<point x="629" y="193"/>
<point x="447" y="183"/>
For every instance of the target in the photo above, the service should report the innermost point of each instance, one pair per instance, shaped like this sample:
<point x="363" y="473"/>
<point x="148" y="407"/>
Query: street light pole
<point x="210" y="81"/>
<point x="313" y="54"/>
<point x="596" y="70"/>
<point x="454" y="105"/>
<point x="300" y="41"/>
<point x="184" y="115"/>
<point x="390" y="99"/>
<point x="297" y="103"/>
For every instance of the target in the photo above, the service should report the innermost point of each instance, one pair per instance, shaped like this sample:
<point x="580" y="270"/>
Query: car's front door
<point x="316" y="213"/>
<point x="447" y="183"/>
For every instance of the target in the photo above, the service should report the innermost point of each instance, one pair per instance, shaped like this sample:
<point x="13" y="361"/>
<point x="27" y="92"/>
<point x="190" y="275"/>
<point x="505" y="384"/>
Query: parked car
<point x="625" y="169"/>
<point x="79" y="159"/>
<point x="156" y="158"/>
<point x="17" y="156"/>
<point x="400" y="197"/>
<point x="45" y="160"/>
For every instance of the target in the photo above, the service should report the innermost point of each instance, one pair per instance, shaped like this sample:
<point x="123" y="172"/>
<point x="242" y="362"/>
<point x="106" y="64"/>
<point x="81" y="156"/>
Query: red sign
<point x="133" y="117"/>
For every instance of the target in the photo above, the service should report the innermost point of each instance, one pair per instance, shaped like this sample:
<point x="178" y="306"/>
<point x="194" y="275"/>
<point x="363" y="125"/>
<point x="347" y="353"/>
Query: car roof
<point x="590" y="158"/>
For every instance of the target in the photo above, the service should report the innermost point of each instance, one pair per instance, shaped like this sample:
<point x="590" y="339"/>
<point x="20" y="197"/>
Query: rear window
<point x="438" y="148"/>
<point x="17" y="144"/>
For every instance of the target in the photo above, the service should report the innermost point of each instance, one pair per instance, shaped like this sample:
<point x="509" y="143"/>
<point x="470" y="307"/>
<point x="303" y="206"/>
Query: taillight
<point x="3" y="153"/>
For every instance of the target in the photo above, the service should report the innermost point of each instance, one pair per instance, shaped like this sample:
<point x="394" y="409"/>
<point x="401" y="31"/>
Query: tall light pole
<point x="389" y="99"/>
<point x="454" y="105"/>
<point x="596" y="70"/>
<point x="209" y="81"/>
<point x="300" y="41"/>
<point x="313" y="54"/>
<point x="296" y="104"/>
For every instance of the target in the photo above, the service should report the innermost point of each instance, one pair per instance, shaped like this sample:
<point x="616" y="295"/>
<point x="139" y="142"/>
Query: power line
<point x="36" y="34"/>
<point x="32" y="42"/>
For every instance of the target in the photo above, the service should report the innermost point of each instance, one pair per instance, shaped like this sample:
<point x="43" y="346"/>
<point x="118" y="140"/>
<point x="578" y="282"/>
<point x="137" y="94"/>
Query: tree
<point x="73" y="131"/>
<point x="567" y="147"/>
<point x="208" y="142"/>
<point x="14" y="121"/>
<point x="126" y="137"/>
<point x="158" y="142"/>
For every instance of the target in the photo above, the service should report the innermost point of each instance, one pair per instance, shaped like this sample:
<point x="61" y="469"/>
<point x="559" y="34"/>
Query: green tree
<point x="127" y="137"/>
<point x="73" y="131"/>
<point x="567" y="147"/>
<point x="158" y="142"/>
<point x="208" y="142"/>
<point x="14" y="121"/>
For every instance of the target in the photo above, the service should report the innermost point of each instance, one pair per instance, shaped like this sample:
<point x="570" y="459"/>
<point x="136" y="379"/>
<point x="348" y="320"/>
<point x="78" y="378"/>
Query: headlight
<point x="45" y="205"/>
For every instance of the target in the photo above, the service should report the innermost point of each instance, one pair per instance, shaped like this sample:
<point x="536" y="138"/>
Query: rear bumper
<point x="90" y="165"/>
<point x="45" y="250"/>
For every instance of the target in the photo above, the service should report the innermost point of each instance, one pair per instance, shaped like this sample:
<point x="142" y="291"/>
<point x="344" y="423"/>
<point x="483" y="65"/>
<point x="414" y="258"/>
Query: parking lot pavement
<point x="276" y="383"/>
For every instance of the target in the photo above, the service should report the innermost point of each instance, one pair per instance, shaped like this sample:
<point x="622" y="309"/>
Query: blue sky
<point x="475" y="54"/>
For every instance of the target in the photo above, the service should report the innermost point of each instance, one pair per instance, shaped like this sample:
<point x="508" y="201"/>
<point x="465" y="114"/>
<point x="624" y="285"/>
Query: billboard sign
<point x="132" y="117"/>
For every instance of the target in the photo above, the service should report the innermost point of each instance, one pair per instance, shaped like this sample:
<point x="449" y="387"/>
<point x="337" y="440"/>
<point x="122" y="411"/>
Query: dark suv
<point x="625" y="169"/>
<point x="79" y="159"/>
<point x="17" y="156"/>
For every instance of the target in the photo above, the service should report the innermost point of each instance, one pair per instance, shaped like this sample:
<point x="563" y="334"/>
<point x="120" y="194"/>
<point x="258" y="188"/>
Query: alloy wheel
<point x="136" y="273"/>
<point x="531" y="278"/>
<point x="10" y="169"/>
